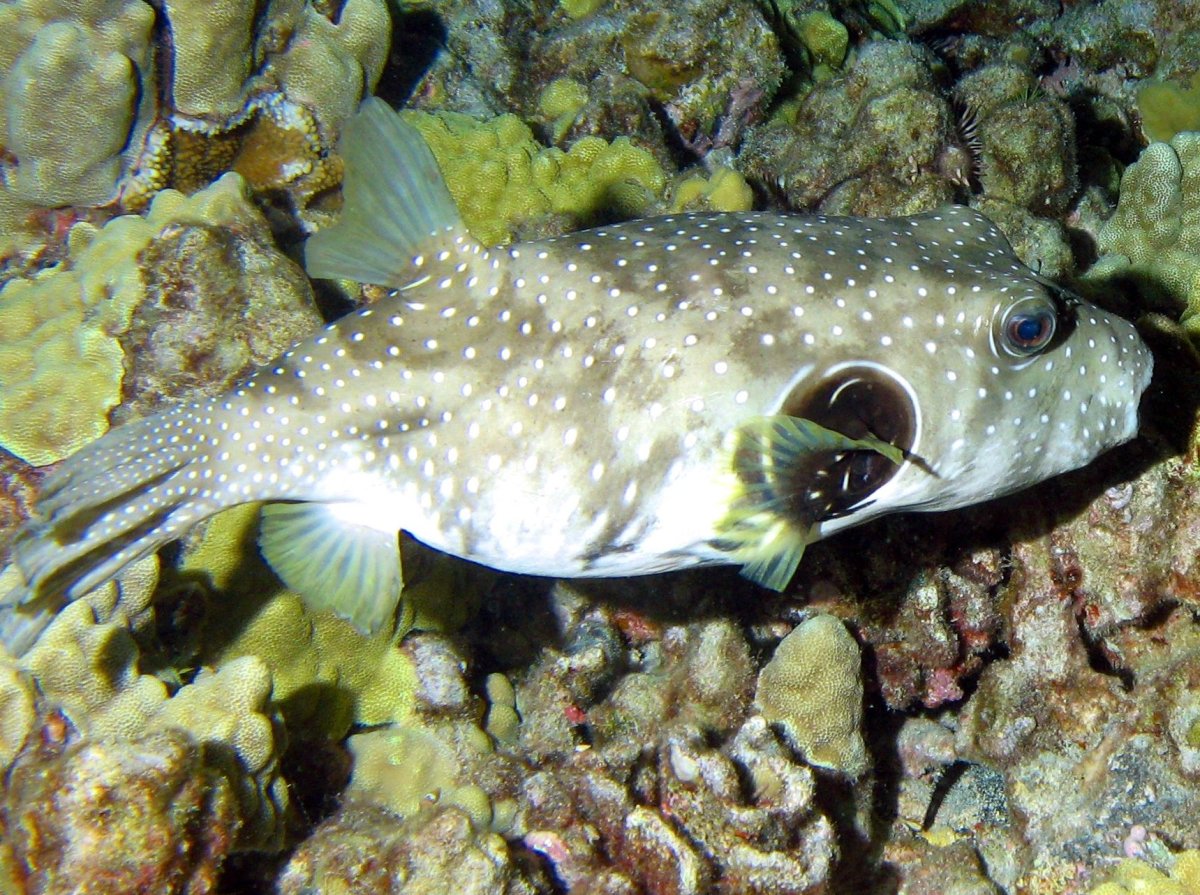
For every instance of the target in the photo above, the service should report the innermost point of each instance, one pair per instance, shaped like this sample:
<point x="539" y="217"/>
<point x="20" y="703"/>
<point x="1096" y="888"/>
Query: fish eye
<point x="1027" y="327"/>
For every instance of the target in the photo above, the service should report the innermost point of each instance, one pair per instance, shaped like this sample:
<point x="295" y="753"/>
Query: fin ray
<point x="106" y="506"/>
<point x="395" y="204"/>
<point x="333" y="563"/>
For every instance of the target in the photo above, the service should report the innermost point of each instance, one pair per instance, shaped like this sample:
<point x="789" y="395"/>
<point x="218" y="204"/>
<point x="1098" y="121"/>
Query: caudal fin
<point x="397" y="211"/>
<point x="115" y="501"/>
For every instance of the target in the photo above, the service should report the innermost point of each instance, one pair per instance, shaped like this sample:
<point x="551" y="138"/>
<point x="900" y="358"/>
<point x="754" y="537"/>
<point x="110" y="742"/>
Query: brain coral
<point x="812" y="688"/>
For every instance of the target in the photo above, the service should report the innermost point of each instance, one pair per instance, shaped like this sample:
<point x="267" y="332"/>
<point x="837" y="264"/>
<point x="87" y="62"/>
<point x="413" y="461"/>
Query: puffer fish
<point x="663" y="393"/>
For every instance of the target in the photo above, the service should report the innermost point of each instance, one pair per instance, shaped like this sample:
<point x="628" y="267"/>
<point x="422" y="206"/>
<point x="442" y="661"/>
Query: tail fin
<point x="115" y="501"/>
<point x="396" y="206"/>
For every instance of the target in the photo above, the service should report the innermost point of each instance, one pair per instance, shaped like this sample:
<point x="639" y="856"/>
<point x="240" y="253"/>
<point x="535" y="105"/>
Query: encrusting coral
<point x="78" y="93"/>
<point x="1135" y="876"/>
<point x="501" y="178"/>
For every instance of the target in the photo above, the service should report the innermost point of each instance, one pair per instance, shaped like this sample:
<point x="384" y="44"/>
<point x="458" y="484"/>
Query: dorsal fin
<point x="396" y="205"/>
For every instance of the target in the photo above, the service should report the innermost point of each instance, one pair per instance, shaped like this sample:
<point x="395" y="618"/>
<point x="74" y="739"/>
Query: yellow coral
<point x="502" y="720"/>
<point x="61" y="365"/>
<point x="724" y="190"/>
<point x="17" y="715"/>
<point x="825" y="38"/>
<point x="327" y="676"/>
<point x="1153" y="237"/>
<point x="1137" y="877"/>
<point x="408" y="768"/>
<point x="579" y="9"/>
<point x="501" y="177"/>
<point x="812" y="688"/>
<point x="561" y="101"/>
<point x="1168" y="108"/>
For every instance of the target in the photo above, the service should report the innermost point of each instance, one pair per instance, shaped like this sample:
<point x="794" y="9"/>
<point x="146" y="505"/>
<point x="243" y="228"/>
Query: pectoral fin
<point x="791" y="474"/>
<point x="333" y="562"/>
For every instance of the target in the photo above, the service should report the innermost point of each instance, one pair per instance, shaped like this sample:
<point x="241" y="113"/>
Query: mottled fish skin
<point x="566" y="407"/>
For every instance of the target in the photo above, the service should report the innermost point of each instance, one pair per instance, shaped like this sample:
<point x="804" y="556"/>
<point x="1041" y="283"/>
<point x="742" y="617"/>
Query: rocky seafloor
<point x="1001" y="699"/>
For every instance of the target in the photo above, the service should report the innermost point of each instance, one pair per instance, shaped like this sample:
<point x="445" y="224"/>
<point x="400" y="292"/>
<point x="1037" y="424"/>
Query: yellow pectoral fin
<point x="775" y="461"/>
<point x="771" y="551"/>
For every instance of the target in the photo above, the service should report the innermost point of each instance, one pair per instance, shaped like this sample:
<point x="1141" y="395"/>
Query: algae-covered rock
<point x="812" y="688"/>
<point x="883" y="122"/>
<point x="219" y="732"/>
<point x="139" y="814"/>
<point x="1025" y="138"/>
<point x="362" y="850"/>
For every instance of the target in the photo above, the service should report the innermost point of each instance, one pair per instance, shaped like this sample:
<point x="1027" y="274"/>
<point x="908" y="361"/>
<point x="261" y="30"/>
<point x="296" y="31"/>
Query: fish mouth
<point x="858" y="400"/>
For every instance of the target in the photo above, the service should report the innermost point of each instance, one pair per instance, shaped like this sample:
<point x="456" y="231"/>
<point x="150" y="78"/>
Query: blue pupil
<point x="1028" y="331"/>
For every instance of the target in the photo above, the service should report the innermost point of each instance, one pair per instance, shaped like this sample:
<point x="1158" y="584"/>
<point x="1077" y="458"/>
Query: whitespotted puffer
<point x="664" y="393"/>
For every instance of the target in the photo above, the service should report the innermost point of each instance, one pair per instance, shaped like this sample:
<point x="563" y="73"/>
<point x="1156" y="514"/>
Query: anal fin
<point x="333" y="562"/>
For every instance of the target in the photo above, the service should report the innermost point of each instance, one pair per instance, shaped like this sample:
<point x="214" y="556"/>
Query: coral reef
<point x="144" y="814"/>
<point x="503" y="180"/>
<point x="364" y="851"/>
<point x="1004" y="699"/>
<point x="865" y="143"/>
<point x="326" y="675"/>
<point x="638" y="59"/>
<point x="99" y="112"/>
<point x="812" y="688"/>
<point x="1152" y="241"/>
<point x="117" y="785"/>
<point x="71" y="332"/>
